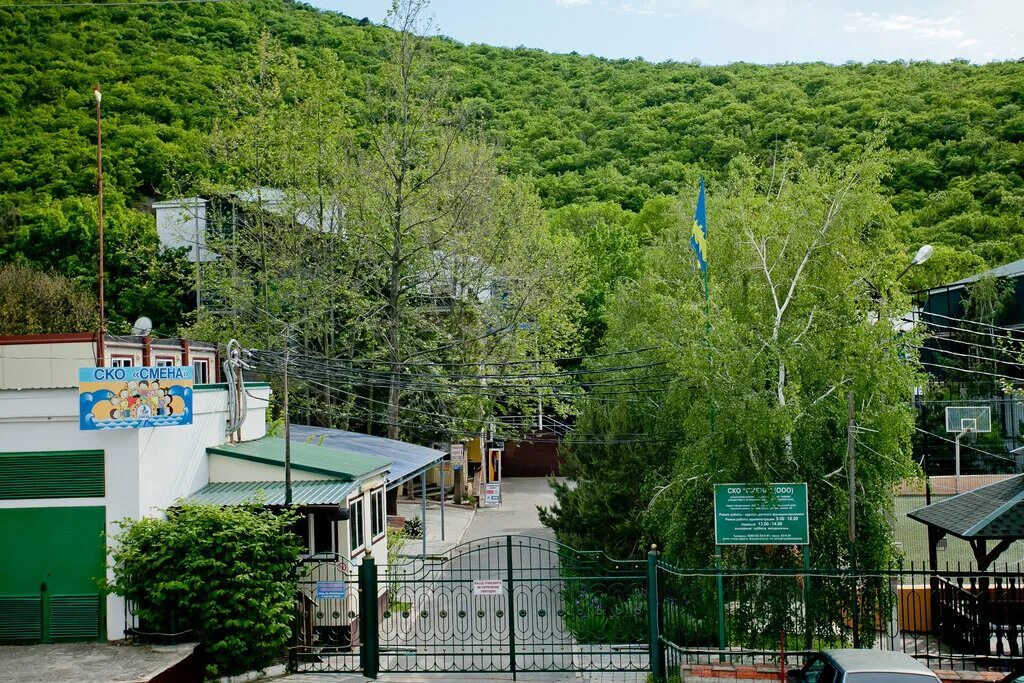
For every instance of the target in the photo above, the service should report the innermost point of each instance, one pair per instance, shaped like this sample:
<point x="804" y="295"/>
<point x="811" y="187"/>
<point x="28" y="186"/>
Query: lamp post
<point x="101" y="342"/>
<point x="922" y="255"/>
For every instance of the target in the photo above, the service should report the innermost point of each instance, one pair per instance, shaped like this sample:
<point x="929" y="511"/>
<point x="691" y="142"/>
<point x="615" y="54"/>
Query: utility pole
<point x="287" y="430"/>
<point x="850" y="457"/>
<point x="851" y="436"/>
<point x="101" y="342"/>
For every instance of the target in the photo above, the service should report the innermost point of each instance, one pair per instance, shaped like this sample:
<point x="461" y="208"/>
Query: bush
<point x="413" y="528"/>
<point x="32" y="302"/>
<point x="226" y="573"/>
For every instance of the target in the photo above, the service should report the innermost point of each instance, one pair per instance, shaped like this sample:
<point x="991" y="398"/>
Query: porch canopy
<point x="407" y="459"/>
<point x="272" y="493"/>
<point x="990" y="513"/>
<point x="343" y="464"/>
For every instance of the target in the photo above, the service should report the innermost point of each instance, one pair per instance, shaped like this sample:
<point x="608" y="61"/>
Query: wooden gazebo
<point x="974" y="610"/>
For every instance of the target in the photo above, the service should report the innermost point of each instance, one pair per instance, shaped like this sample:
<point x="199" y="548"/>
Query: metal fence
<point x="948" y="619"/>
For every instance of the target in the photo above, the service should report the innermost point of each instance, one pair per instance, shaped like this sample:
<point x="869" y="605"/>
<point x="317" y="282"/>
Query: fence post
<point x="511" y="609"/>
<point x="656" y="650"/>
<point x="721" y="603"/>
<point x="808" y="633"/>
<point x="369" y="628"/>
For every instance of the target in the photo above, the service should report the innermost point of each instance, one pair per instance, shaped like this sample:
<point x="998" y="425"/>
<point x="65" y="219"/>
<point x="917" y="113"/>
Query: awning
<point x="990" y="513"/>
<point x="407" y="460"/>
<point x="995" y="511"/>
<point x="344" y="464"/>
<point x="271" y="493"/>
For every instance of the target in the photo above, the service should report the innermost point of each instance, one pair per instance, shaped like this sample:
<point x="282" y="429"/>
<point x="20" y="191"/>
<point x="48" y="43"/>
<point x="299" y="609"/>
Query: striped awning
<point x="272" y="493"/>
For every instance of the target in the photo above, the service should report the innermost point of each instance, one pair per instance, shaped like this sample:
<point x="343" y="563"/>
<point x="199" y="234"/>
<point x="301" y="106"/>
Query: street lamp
<point x="922" y="255"/>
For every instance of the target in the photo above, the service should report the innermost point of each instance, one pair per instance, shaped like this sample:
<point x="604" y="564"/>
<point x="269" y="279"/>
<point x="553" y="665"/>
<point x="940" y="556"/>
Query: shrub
<point x="227" y="573"/>
<point x="413" y="527"/>
<point x="32" y="302"/>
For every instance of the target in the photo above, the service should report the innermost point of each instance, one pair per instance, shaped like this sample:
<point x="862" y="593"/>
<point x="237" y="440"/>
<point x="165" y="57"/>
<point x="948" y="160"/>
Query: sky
<point x="724" y="31"/>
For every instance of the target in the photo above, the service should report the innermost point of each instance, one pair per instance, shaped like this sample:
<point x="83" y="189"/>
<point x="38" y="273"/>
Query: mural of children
<point x="121" y="407"/>
<point x="154" y="396"/>
<point x="164" y="403"/>
<point x="133" y="396"/>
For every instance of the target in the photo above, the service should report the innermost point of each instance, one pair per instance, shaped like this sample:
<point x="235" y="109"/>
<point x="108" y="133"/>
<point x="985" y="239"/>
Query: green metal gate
<point x="502" y="604"/>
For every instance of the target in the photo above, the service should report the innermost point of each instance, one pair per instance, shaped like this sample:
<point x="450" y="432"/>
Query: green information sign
<point x="761" y="514"/>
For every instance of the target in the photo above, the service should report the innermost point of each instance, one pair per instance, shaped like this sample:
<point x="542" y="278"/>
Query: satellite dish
<point x="142" y="327"/>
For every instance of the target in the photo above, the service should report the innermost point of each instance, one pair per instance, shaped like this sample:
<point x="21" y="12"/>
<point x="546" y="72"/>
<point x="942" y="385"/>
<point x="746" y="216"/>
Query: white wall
<point x="45" y="364"/>
<point x="226" y="468"/>
<point x="146" y="469"/>
<point x="182" y="223"/>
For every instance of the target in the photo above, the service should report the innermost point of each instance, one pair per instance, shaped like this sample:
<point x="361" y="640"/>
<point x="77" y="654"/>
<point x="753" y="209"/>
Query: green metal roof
<point x="272" y="492"/>
<point x="331" y="462"/>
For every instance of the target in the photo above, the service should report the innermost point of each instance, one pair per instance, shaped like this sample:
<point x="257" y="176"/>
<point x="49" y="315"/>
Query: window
<point x="813" y="670"/>
<point x="324" y="537"/>
<point x="201" y="371"/>
<point x="357" y="537"/>
<point x="377" y="509"/>
<point x="164" y="361"/>
<point x="317" y="532"/>
<point x="122" y="361"/>
<point x="828" y="674"/>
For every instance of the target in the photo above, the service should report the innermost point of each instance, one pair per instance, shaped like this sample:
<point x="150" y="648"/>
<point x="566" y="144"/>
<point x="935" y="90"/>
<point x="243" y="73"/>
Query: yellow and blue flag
<point x="699" y="238"/>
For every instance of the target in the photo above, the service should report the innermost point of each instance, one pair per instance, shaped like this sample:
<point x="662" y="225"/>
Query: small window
<point x="355" y="525"/>
<point x="122" y="361"/>
<point x="164" y="361"/>
<point x="301" y="529"/>
<point x="201" y="371"/>
<point x="377" y="518"/>
<point x="324" y="537"/>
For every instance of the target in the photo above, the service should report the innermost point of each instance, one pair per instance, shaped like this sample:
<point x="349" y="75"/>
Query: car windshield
<point x="883" y="677"/>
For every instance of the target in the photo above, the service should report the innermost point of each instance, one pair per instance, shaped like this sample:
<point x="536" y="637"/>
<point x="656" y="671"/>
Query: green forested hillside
<point x="582" y="129"/>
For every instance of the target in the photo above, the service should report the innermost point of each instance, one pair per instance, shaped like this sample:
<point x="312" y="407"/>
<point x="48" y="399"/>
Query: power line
<point x="973" y="372"/>
<point x="968" y="356"/>
<point x="965" y="445"/>
<point x="968" y="320"/>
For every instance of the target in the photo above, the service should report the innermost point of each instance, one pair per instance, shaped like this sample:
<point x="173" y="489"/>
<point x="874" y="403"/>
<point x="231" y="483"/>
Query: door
<point x="50" y="580"/>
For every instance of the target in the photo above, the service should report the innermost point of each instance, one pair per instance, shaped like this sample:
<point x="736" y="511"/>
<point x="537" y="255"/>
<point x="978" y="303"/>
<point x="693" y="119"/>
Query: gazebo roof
<point x="995" y="511"/>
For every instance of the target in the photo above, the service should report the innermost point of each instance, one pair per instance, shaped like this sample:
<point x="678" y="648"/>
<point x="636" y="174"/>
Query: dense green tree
<point x="36" y="303"/>
<point x="582" y="129"/>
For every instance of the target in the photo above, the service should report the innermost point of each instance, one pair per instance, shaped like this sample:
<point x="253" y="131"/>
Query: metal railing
<point x="948" y="619"/>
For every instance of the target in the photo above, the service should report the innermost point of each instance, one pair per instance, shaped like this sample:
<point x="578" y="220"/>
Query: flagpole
<point x="707" y="340"/>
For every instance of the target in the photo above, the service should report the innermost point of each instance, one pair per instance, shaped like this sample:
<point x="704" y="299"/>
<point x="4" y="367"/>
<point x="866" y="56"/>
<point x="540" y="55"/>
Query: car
<point x="1015" y="676"/>
<point x="862" y="666"/>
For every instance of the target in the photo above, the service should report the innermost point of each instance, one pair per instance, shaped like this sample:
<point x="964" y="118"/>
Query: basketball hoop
<point x="962" y="420"/>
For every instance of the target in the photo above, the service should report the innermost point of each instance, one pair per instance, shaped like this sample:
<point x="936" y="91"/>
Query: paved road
<point x="518" y="512"/>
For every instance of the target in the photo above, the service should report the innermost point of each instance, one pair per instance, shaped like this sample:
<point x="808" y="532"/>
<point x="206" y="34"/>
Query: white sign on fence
<point x="488" y="587"/>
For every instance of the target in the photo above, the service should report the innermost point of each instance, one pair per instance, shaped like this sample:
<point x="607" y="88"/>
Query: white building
<point x="63" y="490"/>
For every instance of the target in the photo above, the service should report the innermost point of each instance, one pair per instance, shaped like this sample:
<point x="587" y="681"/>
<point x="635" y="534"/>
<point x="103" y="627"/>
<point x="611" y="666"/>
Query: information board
<point x="134" y="397"/>
<point x="761" y="514"/>
<point x="458" y="456"/>
<point x="330" y="590"/>
<point x="492" y="494"/>
<point x="488" y="587"/>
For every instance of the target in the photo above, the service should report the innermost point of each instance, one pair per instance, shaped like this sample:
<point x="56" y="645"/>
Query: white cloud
<point x="968" y="43"/>
<point x="572" y="3"/>
<point x="947" y="28"/>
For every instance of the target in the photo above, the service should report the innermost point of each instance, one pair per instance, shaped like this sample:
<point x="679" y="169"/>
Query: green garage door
<point x="53" y="557"/>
